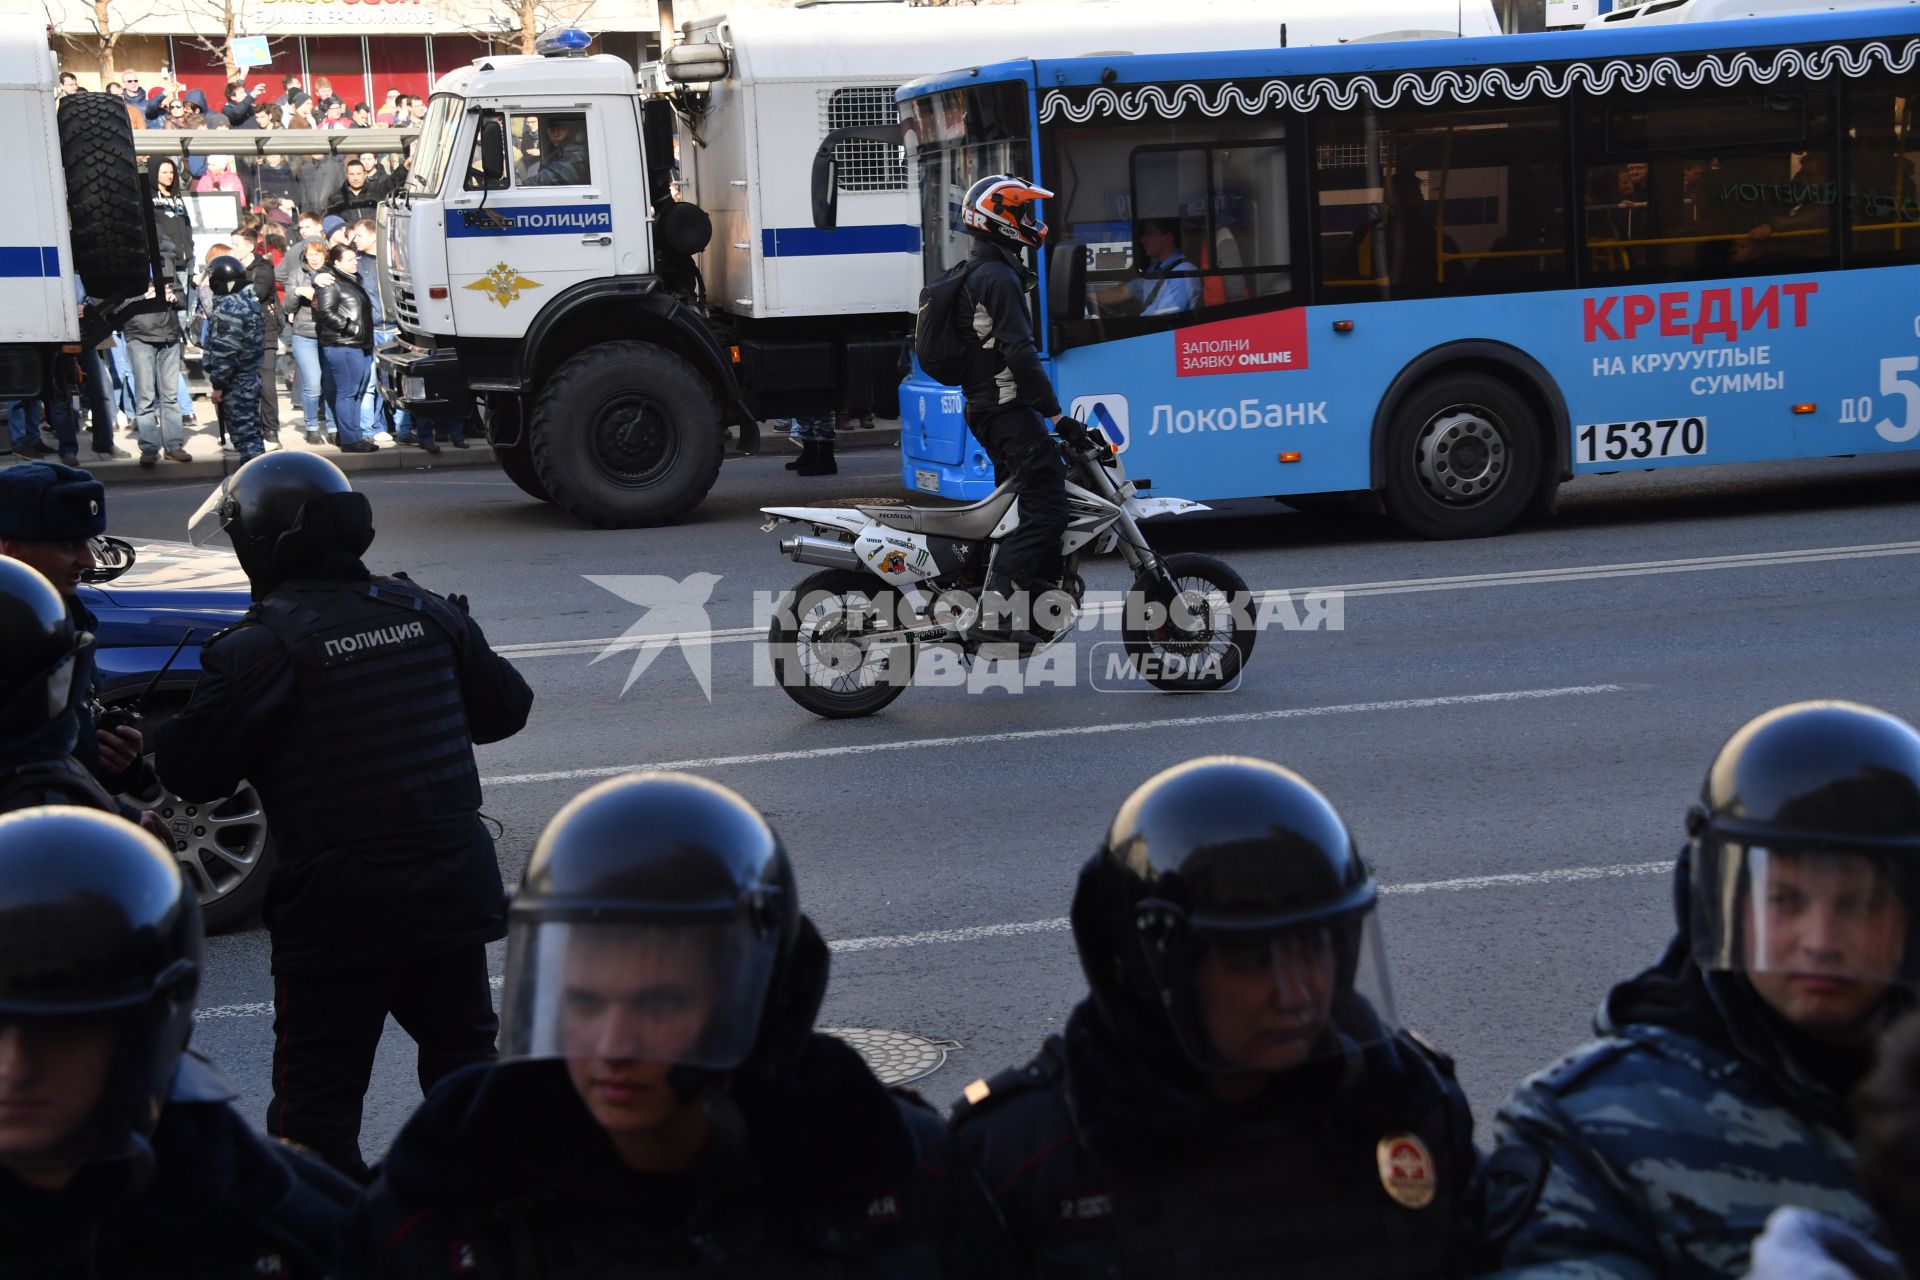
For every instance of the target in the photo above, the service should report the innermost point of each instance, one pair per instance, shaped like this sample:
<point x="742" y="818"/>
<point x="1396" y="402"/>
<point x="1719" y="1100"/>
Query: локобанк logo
<point x="1109" y="414"/>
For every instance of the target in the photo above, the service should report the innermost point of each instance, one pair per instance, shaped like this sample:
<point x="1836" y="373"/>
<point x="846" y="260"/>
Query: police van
<point x="613" y="326"/>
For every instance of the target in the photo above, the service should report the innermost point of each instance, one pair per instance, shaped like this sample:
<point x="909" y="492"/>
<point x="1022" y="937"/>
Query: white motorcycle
<point x="899" y="579"/>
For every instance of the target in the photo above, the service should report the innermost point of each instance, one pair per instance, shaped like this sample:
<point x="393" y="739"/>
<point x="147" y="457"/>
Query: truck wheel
<point x="517" y="462"/>
<point x="625" y="434"/>
<point x="104" y="194"/>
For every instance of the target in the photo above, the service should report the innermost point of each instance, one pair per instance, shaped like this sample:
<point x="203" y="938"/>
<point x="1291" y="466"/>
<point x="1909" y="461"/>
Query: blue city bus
<point x="1452" y="274"/>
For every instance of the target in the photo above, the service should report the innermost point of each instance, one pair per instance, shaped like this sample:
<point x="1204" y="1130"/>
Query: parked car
<point x="148" y="596"/>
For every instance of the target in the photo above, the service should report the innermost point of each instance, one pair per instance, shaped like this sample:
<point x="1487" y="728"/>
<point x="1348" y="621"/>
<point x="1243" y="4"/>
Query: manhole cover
<point x="896" y="1056"/>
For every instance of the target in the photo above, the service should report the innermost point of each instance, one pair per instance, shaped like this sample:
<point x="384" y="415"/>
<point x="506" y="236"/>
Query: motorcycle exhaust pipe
<point x="821" y="551"/>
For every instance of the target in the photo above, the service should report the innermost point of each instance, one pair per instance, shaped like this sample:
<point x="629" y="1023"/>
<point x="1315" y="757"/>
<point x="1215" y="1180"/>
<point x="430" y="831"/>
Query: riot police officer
<point x="119" y="1153"/>
<point x="40" y="682"/>
<point x="662" y="1104"/>
<point x="352" y="702"/>
<point x="1233" y="1099"/>
<point x="49" y="514"/>
<point x="1798" y="942"/>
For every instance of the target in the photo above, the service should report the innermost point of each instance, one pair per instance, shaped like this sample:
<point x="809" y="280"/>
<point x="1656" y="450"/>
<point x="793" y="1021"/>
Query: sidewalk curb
<point x="398" y="458"/>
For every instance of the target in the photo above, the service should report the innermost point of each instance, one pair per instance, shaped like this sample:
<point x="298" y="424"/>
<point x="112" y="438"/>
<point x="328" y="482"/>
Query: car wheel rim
<point x="634" y="441"/>
<point x="218" y="844"/>
<point x="1461" y="456"/>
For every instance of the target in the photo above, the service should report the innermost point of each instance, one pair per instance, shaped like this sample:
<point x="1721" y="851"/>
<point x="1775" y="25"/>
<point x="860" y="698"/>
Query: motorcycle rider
<point x="353" y="703"/>
<point x="1007" y="394"/>
<point x="662" y="1104"/>
<point x="120" y="1154"/>
<point x="1233" y="1098"/>
<point x="1717" y="1089"/>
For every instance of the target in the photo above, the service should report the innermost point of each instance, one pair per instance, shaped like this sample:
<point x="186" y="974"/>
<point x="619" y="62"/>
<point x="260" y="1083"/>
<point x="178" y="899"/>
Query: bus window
<point x="1428" y="203"/>
<point x="1180" y="220"/>
<point x="1697" y="188"/>
<point x="1883" y="198"/>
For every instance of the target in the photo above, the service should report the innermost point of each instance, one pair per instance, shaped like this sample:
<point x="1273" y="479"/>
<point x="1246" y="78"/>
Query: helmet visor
<point x="1267" y="1000"/>
<point x="213" y="515"/>
<point x="1819" y="921"/>
<point x="42" y="698"/>
<point x="681" y="994"/>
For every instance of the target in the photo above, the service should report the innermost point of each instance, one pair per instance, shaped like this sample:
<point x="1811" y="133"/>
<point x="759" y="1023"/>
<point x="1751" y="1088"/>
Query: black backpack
<point x="940" y="342"/>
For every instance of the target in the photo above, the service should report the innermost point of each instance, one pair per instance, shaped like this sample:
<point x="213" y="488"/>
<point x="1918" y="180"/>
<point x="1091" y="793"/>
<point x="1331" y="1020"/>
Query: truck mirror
<point x="826" y="176"/>
<point x="826" y="190"/>
<point x="656" y="136"/>
<point x="1067" y="283"/>
<point x="493" y="151"/>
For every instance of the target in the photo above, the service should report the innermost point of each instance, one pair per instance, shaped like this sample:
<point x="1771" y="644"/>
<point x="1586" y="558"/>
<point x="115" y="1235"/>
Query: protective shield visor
<point x="679" y="994"/>
<point x="213" y="515"/>
<point x="1266" y="999"/>
<point x="1818" y="917"/>
<point x="75" y="1089"/>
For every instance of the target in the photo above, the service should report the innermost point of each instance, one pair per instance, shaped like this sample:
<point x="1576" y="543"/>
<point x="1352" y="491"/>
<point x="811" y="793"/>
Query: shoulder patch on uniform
<point x="985" y="1094"/>
<point x="1568" y="1072"/>
<point x="1439" y="1057"/>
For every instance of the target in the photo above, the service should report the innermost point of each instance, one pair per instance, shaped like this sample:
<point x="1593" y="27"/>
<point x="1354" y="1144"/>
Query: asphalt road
<point x="1513" y="727"/>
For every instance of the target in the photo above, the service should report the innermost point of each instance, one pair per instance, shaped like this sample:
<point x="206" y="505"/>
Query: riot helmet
<point x="1228" y="921"/>
<point x="1001" y="208"/>
<point x="99" y="965"/>
<point x="225" y="275"/>
<point x="282" y="511"/>
<point x="658" y="922"/>
<point x="1804" y="860"/>
<point x="43" y="669"/>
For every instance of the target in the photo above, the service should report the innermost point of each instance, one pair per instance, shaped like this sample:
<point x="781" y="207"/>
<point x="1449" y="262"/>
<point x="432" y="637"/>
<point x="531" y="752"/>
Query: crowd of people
<point x="1233" y="1096"/>
<point x="305" y="217"/>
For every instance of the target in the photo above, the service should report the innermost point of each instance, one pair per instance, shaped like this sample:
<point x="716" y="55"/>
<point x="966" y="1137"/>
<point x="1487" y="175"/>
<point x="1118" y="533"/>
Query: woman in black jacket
<point x="343" y="322"/>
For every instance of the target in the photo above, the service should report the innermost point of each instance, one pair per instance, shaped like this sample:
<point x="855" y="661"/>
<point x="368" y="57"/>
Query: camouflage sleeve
<point x="1586" y="1224"/>
<point x="220" y="359"/>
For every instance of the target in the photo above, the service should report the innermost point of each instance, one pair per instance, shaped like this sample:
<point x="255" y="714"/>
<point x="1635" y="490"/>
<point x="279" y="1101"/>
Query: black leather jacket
<point x="342" y="313"/>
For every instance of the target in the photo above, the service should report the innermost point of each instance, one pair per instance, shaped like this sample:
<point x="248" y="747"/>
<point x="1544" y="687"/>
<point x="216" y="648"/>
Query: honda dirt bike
<point x="896" y="580"/>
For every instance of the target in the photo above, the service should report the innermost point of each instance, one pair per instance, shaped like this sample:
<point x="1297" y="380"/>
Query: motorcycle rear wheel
<point x="812" y="659"/>
<point x="1211" y="658"/>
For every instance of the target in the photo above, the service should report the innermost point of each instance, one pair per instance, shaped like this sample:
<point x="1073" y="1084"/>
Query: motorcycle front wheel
<point x="814" y="655"/>
<point x="1195" y="635"/>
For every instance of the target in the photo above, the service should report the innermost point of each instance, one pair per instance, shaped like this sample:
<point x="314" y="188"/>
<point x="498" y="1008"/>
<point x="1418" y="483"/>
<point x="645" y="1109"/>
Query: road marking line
<point x="1401" y="586"/>
<point x="979" y="933"/>
<point x="1063" y="731"/>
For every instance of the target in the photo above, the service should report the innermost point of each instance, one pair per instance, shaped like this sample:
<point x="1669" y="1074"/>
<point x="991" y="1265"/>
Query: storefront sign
<point x="405" y="15"/>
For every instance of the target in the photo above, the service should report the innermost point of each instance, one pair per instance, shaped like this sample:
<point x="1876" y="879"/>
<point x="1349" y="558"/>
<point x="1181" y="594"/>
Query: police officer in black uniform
<point x="119" y="1153"/>
<point x="49" y="514"/>
<point x="40" y="683"/>
<point x="662" y="1105"/>
<point x="1234" y="1100"/>
<point x="352" y="702"/>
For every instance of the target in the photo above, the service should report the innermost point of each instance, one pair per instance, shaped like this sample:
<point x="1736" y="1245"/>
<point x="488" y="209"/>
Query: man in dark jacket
<point x="663" y="1105"/>
<point x="120" y="1154"/>
<point x="353" y="703"/>
<point x="239" y="107"/>
<point x="48" y="514"/>
<point x="260" y="276"/>
<point x="1234" y="1101"/>
<point x="1717" y="1090"/>
<point x="155" y="345"/>
<point x="358" y="197"/>
<point x="1008" y="393"/>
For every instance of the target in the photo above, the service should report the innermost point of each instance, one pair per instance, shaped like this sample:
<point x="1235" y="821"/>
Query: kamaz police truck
<point x="616" y="267"/>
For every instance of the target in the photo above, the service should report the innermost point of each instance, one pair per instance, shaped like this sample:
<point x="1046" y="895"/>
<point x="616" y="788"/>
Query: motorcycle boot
<point x="1005" y="616"/>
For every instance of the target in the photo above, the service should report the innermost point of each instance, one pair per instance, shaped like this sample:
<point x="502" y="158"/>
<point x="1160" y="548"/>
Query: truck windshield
<point x="436" y="144"/>
<point x="958" y="137"/>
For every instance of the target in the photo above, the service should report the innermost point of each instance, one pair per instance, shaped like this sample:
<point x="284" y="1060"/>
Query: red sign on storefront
<point x="1271" y="342"/>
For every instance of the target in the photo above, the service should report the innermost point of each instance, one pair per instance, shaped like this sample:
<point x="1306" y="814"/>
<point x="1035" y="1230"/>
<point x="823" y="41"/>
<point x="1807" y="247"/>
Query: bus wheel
<point x="1462" y="459"/>
<point x="626" y="433"/>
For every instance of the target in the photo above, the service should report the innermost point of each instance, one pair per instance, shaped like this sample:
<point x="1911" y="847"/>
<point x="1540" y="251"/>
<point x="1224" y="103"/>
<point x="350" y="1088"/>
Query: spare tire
<point x="104" y="195"/>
